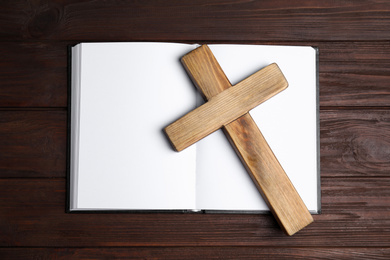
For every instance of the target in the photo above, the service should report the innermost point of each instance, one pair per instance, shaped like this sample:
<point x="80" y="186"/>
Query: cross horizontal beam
<point x="227" y="106"/>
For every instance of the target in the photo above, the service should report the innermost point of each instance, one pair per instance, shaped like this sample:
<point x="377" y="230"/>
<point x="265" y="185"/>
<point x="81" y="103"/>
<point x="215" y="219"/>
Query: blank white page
<point x="288" y="122"/>
<point x="129" y="92"/>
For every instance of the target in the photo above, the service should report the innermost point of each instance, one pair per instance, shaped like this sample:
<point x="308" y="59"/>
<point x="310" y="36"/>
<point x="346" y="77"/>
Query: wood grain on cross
<point x="228" y="108"/>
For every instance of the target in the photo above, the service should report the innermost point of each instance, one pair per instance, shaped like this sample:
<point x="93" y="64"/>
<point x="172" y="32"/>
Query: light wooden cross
<point x="227" y="108"/>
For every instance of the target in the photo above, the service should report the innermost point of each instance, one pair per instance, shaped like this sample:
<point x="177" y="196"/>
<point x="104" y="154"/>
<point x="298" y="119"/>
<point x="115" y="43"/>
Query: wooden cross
<point x="227" y="108"/>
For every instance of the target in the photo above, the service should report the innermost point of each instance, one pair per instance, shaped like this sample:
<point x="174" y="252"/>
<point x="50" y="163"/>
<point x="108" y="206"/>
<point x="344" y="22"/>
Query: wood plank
<point x="355" y="143"/>
<point x="354" y="74"/>
<point x="180" y="253"/>
<point x="32" y="214"/>
<point x="250" y="145"/>
<point x="33" y="74"/>
<point x="226" y="107"/>
<point x="207" y="20"/>
<point x="351" y="74"/>
<point x="32" y="143"/>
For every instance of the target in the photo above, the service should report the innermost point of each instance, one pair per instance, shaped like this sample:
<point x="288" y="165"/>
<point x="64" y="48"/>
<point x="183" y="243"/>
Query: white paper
<point x="129" y="93"/>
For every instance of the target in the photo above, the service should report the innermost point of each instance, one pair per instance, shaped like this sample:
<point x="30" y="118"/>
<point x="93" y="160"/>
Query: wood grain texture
<point x="225" y="107"/>
<point x="196" y="20"/>
<point x="268" y="175"/>
<point x="33" y="75"/>
<point x="265" y="170"/>
<point x="355" y="142"/>
<point x="32" y="143"/>
<point x="355" y="74"/>
<point x="32" y="214"/>
<point x="179" y="253"/>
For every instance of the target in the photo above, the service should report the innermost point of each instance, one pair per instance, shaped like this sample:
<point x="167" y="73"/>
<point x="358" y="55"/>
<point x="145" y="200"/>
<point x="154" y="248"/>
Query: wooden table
<point x="353" y="38"/>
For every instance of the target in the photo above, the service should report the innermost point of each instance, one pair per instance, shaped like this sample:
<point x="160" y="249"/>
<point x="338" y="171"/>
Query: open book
<point x="124" y="94"/>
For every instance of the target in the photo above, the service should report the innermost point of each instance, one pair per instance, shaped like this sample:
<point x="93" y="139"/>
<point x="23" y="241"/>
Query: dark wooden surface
<point x="354" y="43"/>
